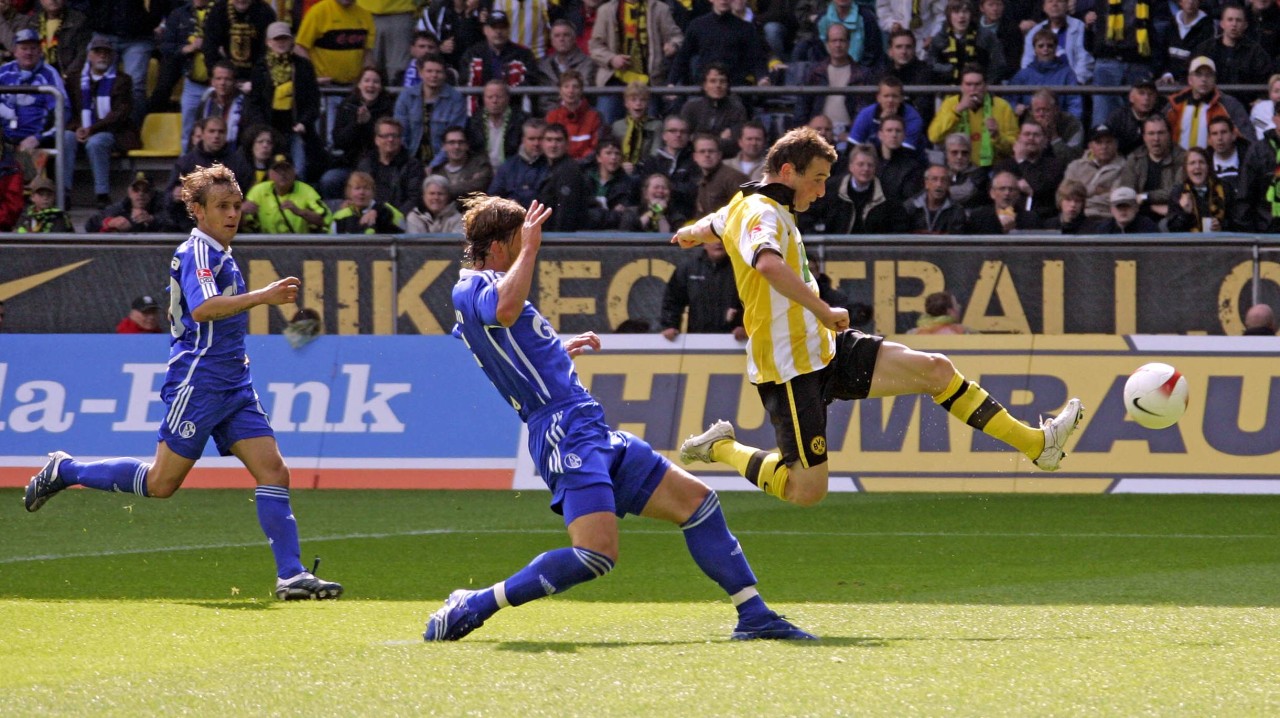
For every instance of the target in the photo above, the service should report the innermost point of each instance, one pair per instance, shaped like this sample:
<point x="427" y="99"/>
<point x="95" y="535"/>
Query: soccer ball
<point x="1156" y="395"/>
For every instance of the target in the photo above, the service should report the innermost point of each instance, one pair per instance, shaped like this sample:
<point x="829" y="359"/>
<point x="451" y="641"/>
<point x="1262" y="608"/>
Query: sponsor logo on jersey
<point x="205" y="275"/>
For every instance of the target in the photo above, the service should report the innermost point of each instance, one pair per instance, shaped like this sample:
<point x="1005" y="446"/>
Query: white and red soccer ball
<point x="1156" y="395"/>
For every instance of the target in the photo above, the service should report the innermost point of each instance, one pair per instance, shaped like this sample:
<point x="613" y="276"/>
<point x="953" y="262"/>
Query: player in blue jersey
<point x="208" y="389"/>
<point x="595" y="474"/>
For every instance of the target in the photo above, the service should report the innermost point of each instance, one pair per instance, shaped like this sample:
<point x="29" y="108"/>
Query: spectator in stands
<point x="1238" y="60"/>
<point x="957" y="45"/>
<point x="258" y="144"/>
<point x="969" y="182"/>
<point x="1048" y="69"/>
<point x="715" y="111"/>
<point x="1190" y="110"/>
<point x="656" y="212"/>
<point x="28" y="118"/>
<point x="1125" y="215"/>
<point x="528" y="20"/>
<point x="752" y="143"/>
<point x="211" y="148"/>
<point x="1126" y="121"/>
<point x="724" y="38"/>
<point x="182" y="58"/>
<point x="292" y="114"/>
<point x="1038" y="171"/>
<point x="353" y="132"/>
<point x="1098" y="172"/>
<point x="429" y="109"/>
<point x="396" y="174"/>
<point x="623" y="57"/>
<point x="284" y="204"/>
<point x="338" y="37"/>
<point x="825" y="129"/>
<point x="495" y="131"/>
<point x="1150" y="171"/>
<point x="838" y="70"/>
<point x="361" y="213"/>
<point x="40" y="216"/>
<point x="102" y="114"/>
<point x="1260" y="178"/>
<point x="1071" y="218"/>
<point x="564" y="56"/>
<point x="904" y="65"/>
<point x="901" y="169"/>
<point x="637" y="133"/>
<point x="932" y="211"/>
<point x="703" y="285"/>
<point x="862" y="26"/>
<point x="443" y="21"/>
<point x="924" y="18"/>
<point x="1193" y="27"/>
<point x="612" y="188"/>
<point x="236" y="31"/>
<point x="437" y="213"/>
<point x="1003" y="39"/>
<point x="1227" y="152"/>
<point x="64" y="37"/>
<point x="889" y="103"/>
<point x="1263" y="17"/>
<point x="1201" y="202"/>
<point x="520" y="177"/>
<point x="675" y="160"/>
<point x="855" y="201"/>
<point x="565" y="188"/>
<point x="1263" y="112"/>
<point x="499" y="58"/>
<point x="1005" y="213"/>
<point x="1062" y="130"/>
<point x="717" y="184"/>
<point x="987" y="119"/>
<point x="129" y="25"/>
<point x="941" y="316"/>
<point x="143" y="317"/>
<point x="466" y="171"/>
<point x="576" y="115"/>
<point x="140" y="212"/>
<point x="12" y="19"/>
<point x="1260" y="321"/>
<point x="223" y="99"/>
<point x="1126" y="49"/>
<point x="393" y="22"/>
<point x="424" y="43"/>
<point x="1070" y="47"/>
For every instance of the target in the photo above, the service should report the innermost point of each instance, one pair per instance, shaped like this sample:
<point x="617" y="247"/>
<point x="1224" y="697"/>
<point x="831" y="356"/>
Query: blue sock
<point x="718" y="554"/>
<point x="552" y="572"/>
<point x="276" y="518"/>
<point x="124" y="474"/>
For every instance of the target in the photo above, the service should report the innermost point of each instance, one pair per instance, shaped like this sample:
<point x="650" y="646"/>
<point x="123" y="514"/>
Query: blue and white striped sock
<point x="555" y="571"/>
<point x="126" y="475"/>
<point x="276" y="518"/>
<point x="717" y="552"/>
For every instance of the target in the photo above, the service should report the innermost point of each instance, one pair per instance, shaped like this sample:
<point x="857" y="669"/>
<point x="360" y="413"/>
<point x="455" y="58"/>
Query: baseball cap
<point x="498" y="18"/>
<point x="101" y="42"/>
<point x="1200" y="62"/>
<point x="1100" y="131"/>
<point x="41" y="184"/>
<point x="281" y="161"/>
<point x="26" y="34"/>
<point x="1146" y="83"/>
<point x="145" y="303"/>
<point x="1123" y="195"/>
<point x="141" y="179"/>
<point x="279" y="29"/>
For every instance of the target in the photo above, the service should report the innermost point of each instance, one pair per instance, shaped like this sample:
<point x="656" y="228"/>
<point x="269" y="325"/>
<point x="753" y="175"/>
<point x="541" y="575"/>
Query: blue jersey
<point x="211" y="354"/>
<point x="526" y="362"/>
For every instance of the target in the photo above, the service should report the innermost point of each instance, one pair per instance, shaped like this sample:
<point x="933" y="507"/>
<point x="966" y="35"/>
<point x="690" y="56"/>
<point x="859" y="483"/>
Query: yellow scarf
<point x="1141" y="24"/>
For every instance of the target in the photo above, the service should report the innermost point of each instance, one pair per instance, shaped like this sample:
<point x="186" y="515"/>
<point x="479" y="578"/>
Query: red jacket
<point x="583" y="125"/>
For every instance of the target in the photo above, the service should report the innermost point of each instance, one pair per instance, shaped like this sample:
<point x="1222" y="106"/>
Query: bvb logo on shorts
<point x="573" y="461"/>
<point x="186" y="429"/>
<point x="818" y="446"/>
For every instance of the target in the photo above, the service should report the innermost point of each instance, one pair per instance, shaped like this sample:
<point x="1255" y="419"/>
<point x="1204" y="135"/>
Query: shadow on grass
<point x="230" y="605"/>
<point x="575" y="646"/>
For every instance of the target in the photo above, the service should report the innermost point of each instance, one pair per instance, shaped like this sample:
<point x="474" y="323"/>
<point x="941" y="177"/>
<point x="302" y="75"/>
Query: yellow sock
<point x="762" y="468"/>
<point x="971" y="404"/>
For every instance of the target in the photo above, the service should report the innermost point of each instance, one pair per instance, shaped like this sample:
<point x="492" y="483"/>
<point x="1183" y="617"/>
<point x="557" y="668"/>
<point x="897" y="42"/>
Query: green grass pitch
<point x="969" y="605"/>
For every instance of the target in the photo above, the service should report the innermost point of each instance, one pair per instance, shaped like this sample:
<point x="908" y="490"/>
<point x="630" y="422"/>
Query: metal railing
<point x="59" y="125"/>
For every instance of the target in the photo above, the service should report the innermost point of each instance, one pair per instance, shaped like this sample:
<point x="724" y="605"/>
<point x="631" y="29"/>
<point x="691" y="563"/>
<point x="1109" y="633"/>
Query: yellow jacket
<point x="947" y="121"/>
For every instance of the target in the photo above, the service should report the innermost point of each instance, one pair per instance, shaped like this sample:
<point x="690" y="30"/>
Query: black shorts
<point x="798" y="408"/>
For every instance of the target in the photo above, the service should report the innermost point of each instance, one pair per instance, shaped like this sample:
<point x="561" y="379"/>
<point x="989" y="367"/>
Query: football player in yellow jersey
<point x="802" y="354"/>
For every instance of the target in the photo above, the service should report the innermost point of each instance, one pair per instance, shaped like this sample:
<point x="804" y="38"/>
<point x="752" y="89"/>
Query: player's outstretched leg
<point x="124" y="475"/>
<point x="555" y="571"/>
<point x="764" y="469"/>
<point x="1044" y="445"/>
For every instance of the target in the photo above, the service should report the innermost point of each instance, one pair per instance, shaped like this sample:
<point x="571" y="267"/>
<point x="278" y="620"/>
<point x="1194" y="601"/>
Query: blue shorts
<point x="605" y="470"/>
<point x="195" y="414"/>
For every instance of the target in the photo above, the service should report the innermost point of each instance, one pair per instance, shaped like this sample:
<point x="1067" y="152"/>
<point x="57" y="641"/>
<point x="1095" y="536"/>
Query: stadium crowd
<point x="397" y="150"/>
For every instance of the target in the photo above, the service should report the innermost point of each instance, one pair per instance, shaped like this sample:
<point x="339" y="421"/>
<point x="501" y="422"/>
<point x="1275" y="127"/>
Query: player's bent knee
<point x="939" y="372"/>
<point x="807" y="493"/>
<point x="161" y="489"/>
